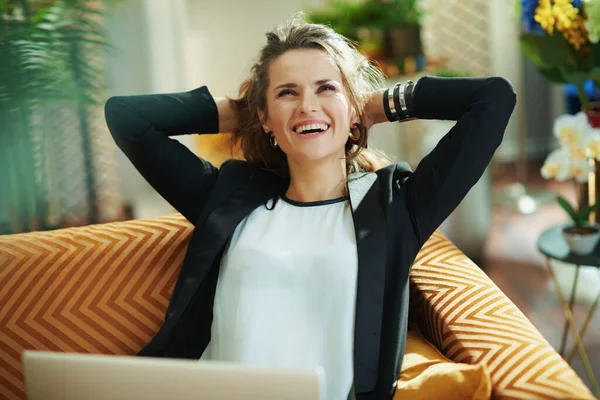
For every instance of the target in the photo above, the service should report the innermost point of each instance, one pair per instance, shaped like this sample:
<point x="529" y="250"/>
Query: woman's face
<point x="308" y="110"/>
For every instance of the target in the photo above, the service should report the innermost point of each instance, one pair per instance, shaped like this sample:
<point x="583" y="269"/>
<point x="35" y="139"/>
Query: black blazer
<point x="394" y="209"/>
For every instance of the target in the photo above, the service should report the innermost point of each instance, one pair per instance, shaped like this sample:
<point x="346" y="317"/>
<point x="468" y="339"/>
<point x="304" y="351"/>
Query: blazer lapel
<point x="370" y="230"/>
<point x="255" y="189"/>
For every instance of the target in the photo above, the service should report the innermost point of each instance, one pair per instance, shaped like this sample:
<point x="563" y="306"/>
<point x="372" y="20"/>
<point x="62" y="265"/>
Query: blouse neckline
<point x="313" y="203"/>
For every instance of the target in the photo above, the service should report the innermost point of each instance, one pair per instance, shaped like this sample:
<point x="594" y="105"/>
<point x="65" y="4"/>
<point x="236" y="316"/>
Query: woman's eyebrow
<point x="293" y="85"/>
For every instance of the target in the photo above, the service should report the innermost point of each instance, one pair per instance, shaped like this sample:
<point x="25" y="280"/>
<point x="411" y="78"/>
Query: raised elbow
<point x="505" y="92"/>
<point x="110" y="108"/>
<point x="113" y="115"/>
<point x="124" y="124"/>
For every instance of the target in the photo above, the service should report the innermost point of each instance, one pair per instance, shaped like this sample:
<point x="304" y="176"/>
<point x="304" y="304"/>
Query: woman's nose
<point x="308" y="103"/>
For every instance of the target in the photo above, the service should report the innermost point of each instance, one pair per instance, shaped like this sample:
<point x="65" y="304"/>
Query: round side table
<point x="552" y="244"/>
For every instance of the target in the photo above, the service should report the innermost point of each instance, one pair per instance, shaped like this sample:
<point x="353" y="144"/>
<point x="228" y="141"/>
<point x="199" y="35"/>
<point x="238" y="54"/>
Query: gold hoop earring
<point x="352" y="137"/>
<point x="273" y="141"/>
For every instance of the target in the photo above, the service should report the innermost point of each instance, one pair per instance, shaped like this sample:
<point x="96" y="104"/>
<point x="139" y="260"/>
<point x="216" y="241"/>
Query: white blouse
<point x="287" y="290"/>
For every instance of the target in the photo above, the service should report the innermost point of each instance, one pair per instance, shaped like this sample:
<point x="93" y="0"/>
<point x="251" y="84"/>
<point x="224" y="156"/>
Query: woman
<point x="300" y="254"/>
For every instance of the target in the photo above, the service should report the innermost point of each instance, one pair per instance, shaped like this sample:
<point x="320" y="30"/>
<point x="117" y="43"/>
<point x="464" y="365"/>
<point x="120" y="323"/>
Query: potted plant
<point x="381" y="28"/>
<point x="401" y="23"/>
<point x="562" y="40"/>
<point x="341" y="15"/>
<point x="579" y="148"/>
<point x="581" y="237"/>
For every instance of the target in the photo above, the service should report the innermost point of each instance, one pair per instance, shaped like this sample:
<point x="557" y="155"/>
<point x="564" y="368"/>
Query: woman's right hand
<point x="227" y="115"/>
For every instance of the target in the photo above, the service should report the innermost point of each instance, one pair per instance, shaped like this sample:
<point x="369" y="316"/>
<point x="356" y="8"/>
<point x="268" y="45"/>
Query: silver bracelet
<point x="402" y="95"/>
<point x="393" y="111"/>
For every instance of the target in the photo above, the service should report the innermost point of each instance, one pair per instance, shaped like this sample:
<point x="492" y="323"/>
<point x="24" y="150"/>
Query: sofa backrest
<point x="94" y="289"/>
<point x="105" y="289"/>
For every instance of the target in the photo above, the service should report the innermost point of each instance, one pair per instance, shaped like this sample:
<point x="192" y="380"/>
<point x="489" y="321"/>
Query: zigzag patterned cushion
<point x="470" y="320"/>
<point x="95" y="289"/>
<point x="105" y="289"/>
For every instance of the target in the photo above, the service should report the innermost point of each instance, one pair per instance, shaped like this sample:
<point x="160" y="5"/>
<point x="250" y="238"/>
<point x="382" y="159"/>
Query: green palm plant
<point x="44" y="49"/>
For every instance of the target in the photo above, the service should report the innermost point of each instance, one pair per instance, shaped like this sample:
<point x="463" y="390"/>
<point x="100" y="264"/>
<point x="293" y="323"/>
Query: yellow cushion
<point x="426" y="374"/>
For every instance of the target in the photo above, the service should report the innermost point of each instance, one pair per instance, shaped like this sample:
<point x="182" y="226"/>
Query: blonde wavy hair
<point x="359" y="78"/>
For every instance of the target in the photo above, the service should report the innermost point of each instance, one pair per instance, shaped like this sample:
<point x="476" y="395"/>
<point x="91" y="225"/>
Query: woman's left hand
<point x="374" y="112"/>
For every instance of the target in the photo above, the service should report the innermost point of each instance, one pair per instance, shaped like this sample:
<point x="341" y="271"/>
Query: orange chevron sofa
<point x="105" y="288"/>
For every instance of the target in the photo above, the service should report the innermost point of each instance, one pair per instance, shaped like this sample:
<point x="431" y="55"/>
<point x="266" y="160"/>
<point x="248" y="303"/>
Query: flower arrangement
<point x="561" y="38"/>
<point x="575" y="159"/>
<point x="579" y="147"/>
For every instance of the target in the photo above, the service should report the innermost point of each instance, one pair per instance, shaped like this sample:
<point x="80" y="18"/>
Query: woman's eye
<point x="327" y="87"/>
<point x="284" y="92"/>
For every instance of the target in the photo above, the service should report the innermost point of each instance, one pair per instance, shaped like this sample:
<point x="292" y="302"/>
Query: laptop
<point x="68" y="376"/>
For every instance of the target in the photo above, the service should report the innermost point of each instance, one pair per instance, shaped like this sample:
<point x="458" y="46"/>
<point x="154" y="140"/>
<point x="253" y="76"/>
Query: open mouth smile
<point x="311" y="130"/>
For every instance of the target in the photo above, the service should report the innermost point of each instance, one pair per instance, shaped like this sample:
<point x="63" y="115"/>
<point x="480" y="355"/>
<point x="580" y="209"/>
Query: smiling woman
<point x="309" y="118"/>
<point x="308" y="74"/>
<point x="320" y="278"/>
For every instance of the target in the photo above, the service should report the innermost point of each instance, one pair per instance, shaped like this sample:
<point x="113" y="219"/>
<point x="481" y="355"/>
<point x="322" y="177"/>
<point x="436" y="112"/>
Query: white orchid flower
<point x="572" y="131"/>
<point x="557" y="165"/>
<point x="580" y="170"/>
<point x="580" y="151"/>
<point x="593" y="144"/>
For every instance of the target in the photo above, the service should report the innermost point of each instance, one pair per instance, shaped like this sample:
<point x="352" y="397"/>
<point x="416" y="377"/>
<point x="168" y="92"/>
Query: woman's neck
<point x="317" y="182"/>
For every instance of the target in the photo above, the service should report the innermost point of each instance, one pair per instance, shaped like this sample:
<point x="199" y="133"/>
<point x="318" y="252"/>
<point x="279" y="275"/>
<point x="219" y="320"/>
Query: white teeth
<point x="309" y="127"/>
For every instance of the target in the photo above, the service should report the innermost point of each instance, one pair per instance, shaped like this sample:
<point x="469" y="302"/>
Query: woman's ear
<point x="265" y="124"/>
<point x="354" y="117"/>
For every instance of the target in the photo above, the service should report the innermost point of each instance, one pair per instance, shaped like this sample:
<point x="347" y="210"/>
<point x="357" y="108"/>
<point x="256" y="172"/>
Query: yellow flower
<point x="564" y="13"/>
<point x="562" y="16"/>
<point x="577" y="35"/>
<point x="544" y="16"/>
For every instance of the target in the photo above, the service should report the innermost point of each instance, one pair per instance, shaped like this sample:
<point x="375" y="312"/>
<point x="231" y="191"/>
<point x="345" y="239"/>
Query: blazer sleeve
<point x="142" y="127"/>
<point x="482" y="108"/>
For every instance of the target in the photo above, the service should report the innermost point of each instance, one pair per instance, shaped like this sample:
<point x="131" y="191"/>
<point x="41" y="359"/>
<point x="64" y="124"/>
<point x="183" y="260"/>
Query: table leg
<point x="563" y="342"/>
<point x="571" y="324"/>
<point x="586" y="323"/>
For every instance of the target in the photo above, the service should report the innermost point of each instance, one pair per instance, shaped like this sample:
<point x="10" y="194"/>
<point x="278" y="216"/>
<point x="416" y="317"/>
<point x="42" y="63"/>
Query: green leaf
<point x="547" y="51"/>
<point x="575" y="78"/>
<point x="553" y="75"/>
<point x="595" y="74"/>
<point x="46" y="26"/>
<point x="585" y="214"/>
<point x="532" y="51"/>
<point x="40" y="15"/>
<point x="594" y="56"/>
<point x="570" y="210"/>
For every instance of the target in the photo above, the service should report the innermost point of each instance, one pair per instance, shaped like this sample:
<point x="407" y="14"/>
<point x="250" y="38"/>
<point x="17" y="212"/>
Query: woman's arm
<point x="482" y="108"/>
<point x="141" y="126"/>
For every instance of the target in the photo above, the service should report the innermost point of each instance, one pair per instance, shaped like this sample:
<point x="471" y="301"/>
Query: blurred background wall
<point x="164" y="46"/>
<point x="167" y="46"/>
<point x="177" y="45"/>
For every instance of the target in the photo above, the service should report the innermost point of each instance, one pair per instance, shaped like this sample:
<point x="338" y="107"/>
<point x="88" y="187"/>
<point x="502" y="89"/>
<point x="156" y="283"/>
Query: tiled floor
<point x="512" y="260"/>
